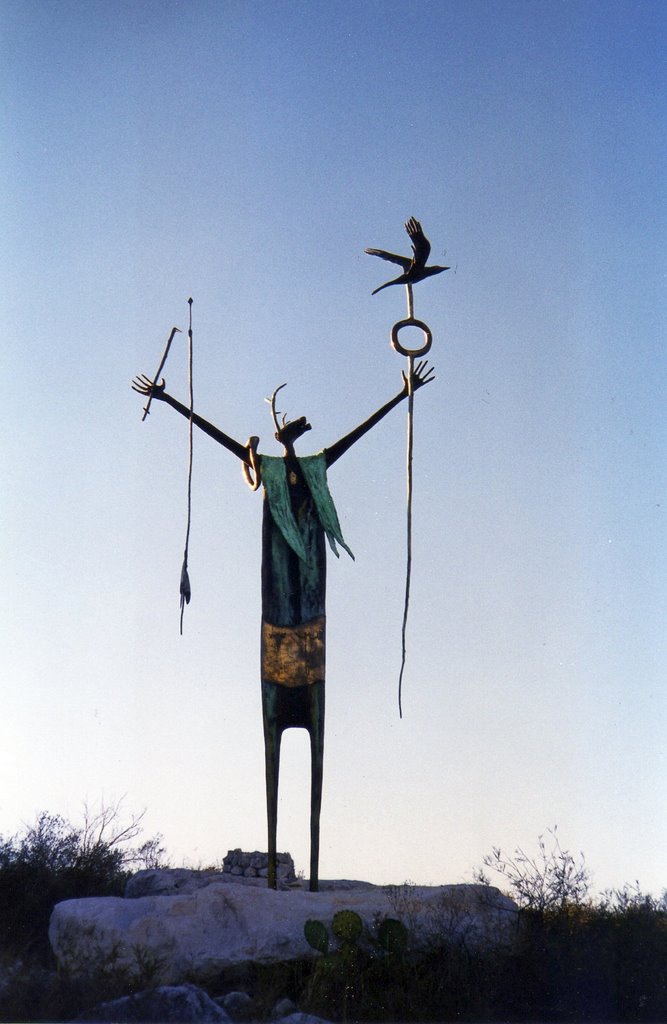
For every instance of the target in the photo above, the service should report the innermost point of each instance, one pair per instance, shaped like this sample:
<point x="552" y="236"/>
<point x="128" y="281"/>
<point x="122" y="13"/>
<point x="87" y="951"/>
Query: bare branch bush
<point x="53" y="860"/>
<point x="548" y="880"/>
<point x="632" y="899"/>
<point x="106" y="828"/>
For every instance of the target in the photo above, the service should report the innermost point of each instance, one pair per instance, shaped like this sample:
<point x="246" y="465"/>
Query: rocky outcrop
<point x="238" y="867"/>
<point x="181" y="1004"/>
<point x="181" y="881"/>
<point x="178" y="1004"/>
<point x="169" y="882"/>
<point x="198" y="934"/>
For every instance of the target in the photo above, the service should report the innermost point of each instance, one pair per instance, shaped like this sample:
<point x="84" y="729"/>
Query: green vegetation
<point x="604" y="961"/>
<point x="575" y="959"/>
<point x="572" y="961"/>
<point x="347" y="982"/>
<point x="53" y="860"/>
<point x="551" y="879"/>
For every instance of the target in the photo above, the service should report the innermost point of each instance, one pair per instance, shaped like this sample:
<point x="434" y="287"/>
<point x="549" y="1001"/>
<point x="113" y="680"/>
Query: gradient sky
<point x="245" y="153"/>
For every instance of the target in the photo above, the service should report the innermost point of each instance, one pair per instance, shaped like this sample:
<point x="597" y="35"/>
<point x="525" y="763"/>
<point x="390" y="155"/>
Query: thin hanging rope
<point x="408" y="567"/>
<point x="186" y="591"/>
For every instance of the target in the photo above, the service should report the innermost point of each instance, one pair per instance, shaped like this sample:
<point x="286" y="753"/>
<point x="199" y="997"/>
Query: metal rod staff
<point x="174" y="330"/>
<point x="185" y="588"/>
<point x="410" y="354"/>
<point x="414" y="268"/>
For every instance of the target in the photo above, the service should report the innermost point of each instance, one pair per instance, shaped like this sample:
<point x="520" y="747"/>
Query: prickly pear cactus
<point x="316" y="936"/>
<point x="392" y="936"/>
<point x="347" y="926"/>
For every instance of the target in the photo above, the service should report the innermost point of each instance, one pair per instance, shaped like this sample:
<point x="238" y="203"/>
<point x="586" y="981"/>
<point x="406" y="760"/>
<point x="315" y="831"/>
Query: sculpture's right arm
<point x="144" y="386"/>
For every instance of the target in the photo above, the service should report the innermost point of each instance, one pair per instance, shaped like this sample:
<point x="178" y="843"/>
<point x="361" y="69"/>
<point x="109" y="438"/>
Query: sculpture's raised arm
<point x="144" y="386"/>
<point x="421" y="374"/>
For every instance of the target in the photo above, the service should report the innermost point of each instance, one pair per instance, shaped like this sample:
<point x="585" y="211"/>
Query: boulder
<point x="283" y="1008"/>
<point x="201" y="934"/>
<point x="238" y="1005"/>
<point x="176" y="1004"/>
<point x="237" y="867"/>
<point x="180" y="1004"/>
<point x="302" y="1018"/>
<point x="168" y="882"/>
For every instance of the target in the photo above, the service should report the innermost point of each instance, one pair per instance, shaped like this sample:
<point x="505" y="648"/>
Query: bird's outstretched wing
<point x="403" y="261"/>
<point x="420" y="243"/>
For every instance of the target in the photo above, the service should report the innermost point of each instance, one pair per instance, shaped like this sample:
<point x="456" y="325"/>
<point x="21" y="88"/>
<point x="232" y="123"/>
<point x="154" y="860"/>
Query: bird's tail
<point x="386" y="285"/>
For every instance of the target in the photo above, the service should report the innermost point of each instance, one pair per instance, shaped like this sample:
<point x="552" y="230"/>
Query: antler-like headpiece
<point x="274" y="412"/>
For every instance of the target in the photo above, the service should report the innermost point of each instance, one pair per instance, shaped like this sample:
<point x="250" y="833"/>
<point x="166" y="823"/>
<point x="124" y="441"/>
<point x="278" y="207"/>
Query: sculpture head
<point x="287" y="431"/>
<point x="291" y="431"/>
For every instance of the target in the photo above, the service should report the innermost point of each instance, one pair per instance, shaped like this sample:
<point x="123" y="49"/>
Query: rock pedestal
<point x="256" y="865"/>
<point x="199" y="934"/>
<point x="238" y="867"/>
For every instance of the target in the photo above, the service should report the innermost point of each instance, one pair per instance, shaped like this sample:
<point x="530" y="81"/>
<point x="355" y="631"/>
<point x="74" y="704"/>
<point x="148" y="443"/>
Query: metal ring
<point x="254" y="465"/>
<point x="411" y="322"/>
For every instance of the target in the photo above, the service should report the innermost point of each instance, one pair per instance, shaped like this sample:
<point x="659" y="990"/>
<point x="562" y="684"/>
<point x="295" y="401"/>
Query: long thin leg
<point x="272" y="738"/>
<point x="316" y="771"/>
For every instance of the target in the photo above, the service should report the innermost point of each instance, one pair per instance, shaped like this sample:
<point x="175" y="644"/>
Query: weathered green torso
<point x="298" y="515"/>
<point x="293" y="588"/>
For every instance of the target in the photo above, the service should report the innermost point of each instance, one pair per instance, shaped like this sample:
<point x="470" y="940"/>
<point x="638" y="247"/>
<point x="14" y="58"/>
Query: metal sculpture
<point x="299" y="518"/>
<point x="414" y="267"/>
<point x="414" y="270"/>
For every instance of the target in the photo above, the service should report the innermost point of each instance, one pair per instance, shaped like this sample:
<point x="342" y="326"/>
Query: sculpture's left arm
<point x="422" y="374"/>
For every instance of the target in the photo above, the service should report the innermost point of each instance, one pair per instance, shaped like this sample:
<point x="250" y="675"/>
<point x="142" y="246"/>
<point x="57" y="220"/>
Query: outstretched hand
<point x="143" y="385"/>
<point x="421" y="374"/>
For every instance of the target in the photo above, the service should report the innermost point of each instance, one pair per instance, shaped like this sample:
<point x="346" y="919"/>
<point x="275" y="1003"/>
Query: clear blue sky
<point x="245" y="154"/>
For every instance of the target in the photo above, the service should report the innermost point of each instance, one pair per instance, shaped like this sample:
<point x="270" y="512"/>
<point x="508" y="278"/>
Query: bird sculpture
<point x="414" y="267"/>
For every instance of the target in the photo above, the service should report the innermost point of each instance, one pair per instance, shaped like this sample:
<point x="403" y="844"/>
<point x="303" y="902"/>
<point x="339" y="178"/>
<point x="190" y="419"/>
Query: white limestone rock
<point x="202" y="933"/>
<point x="168" y="882"/>
<point x="173" y="881"/>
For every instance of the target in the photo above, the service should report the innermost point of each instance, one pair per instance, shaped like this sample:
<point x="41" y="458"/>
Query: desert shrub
<point x="271" y="982"/>
<point x="590" y="963"/>
<point x="637" y="927"/>
<point x="53" y="860"/>
<point x="579" y="958"/>
<point x="547" y="880"/>
<point x="31" y="992"/>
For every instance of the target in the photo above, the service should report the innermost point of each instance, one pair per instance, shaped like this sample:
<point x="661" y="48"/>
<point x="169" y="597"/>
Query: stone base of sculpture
<point x="209" y="928"/>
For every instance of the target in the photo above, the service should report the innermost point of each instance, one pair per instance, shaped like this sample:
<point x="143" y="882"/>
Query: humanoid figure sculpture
<point x="299" y="518"/>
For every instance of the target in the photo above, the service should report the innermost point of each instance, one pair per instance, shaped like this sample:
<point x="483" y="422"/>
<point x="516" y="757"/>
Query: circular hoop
<point x="411" y="322"/>
<point x="254" y="465"/>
